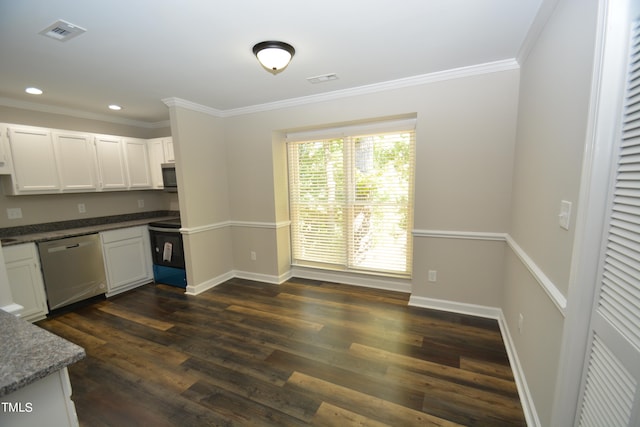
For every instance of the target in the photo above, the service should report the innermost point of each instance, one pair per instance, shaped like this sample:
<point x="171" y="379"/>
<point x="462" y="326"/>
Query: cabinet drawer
<point x="122" y="234"/>
<point x="19" y="252"/>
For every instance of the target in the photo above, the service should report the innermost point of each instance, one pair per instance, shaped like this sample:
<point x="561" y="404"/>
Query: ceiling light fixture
<point x="115" y="107"/>
<point x="33" y="91"/>
<point x="274" y="56"/>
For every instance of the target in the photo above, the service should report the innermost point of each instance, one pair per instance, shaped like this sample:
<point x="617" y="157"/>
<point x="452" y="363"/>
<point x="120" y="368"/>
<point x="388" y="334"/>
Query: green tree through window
<point x="351" y="202"/>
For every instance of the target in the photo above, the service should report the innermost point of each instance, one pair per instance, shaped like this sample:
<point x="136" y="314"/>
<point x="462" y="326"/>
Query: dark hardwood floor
<point x="300" y="353"/>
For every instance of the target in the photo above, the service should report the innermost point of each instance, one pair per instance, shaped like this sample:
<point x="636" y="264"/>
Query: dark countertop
<point x="29" y="353"/>
<point x="60" y="230"/>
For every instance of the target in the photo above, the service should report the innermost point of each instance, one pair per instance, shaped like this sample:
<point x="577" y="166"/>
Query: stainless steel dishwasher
<point x="73" y="269"/>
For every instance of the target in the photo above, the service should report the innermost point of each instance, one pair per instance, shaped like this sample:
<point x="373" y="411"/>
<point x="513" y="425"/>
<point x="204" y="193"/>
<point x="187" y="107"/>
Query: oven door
<point x="166" y="247"/>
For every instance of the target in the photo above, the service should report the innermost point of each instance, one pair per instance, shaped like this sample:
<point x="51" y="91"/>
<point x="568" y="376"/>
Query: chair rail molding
<point x="547" y="285"/>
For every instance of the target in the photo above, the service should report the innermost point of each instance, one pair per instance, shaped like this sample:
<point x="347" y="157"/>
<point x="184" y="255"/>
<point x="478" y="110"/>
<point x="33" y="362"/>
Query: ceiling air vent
<point x="323" y="78"/>
<point x="62" y="31"/>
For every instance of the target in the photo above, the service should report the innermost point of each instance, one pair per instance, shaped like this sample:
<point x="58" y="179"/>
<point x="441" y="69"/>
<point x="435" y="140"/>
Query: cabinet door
<point x="156" y="159"/>
<point x="25" y="280"/>
<point x="76" y="161"/>
<point x="5" y="163"/>
<point x="127" y="258"/>
<point x="137" y="159"/>
<point x="169" y="157"/>
<point x="34" y="162"/>
<point x="111" y="165"/>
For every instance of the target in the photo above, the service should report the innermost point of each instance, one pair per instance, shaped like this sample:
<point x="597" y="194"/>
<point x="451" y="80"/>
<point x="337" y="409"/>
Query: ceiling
<point x="137" y="52"/>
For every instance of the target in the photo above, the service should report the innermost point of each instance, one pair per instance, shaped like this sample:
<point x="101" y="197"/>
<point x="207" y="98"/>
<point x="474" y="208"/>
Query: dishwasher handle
<point x="67" y="247"/>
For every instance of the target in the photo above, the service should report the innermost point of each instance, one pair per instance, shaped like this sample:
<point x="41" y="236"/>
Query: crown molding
<point x="183" y="103"/>
<point x="52" y="109"/>
<point x="456" y="73"/>
<point x="490" y="67"/>
<point x="545" y="11"/>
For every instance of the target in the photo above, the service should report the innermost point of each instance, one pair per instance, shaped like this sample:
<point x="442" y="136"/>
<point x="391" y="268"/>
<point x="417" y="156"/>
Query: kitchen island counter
<point x="29" y="353"/>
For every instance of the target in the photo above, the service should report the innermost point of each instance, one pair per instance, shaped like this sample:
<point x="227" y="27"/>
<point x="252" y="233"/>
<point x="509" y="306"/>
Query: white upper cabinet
<point x="137" y="160"/>
<point x="167" y="144"/>
<point x="156" y="159"/>
<point x="112" y="173"/>
<point x="34" y="163"/>
<point x="76" y="157"/>
<point x="160" y="151"/>
<point x="38" y="160"/>
<point x="5" y="158"/>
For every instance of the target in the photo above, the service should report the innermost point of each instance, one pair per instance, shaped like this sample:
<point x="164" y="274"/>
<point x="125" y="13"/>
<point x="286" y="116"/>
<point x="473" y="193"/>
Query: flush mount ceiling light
<point x="115" y="107"/>
<point x="274" y="56"/>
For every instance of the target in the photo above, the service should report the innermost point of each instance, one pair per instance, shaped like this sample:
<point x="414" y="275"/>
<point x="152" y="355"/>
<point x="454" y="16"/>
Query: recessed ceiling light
<point x="33" y="91"/>
<point x="115" y="107"/>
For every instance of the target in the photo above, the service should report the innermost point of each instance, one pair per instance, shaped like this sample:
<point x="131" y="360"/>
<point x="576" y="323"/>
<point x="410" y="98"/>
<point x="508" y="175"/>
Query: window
<point x="351" y="198"/>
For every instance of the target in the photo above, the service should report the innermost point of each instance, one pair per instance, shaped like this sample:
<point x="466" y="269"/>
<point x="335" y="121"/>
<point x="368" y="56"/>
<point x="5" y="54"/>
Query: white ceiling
<point x="137" y="52"/>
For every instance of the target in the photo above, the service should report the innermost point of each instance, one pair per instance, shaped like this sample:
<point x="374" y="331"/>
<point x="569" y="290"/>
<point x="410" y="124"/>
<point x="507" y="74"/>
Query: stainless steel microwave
<point x="169" y="177"/>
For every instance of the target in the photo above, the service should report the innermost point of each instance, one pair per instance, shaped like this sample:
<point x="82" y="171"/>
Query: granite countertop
<point x="29" y="353"/>
<point x="60" y="230"/>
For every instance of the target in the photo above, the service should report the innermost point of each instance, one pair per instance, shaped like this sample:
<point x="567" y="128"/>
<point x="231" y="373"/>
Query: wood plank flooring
<point x="301" y="353"/>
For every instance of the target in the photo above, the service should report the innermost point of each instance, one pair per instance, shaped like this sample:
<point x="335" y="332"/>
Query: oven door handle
<point x="165" y="230"/>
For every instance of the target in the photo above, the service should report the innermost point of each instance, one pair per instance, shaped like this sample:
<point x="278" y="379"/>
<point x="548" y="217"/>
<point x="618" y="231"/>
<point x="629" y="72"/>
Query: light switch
<point x="565" y="214"/>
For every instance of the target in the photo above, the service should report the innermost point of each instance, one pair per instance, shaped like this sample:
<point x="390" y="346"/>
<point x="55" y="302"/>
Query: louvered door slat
<point x="610" y="388"/>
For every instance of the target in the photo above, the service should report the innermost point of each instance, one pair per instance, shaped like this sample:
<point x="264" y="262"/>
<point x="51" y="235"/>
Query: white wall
<point x="551" y="134"/>
<point x="37" y="209"/>
<point x="465" y="136"/>
<point x="201" y="170"/>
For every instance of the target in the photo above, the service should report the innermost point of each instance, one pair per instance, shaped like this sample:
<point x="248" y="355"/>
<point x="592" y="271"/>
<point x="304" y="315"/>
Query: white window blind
<point x="351" y="199"/>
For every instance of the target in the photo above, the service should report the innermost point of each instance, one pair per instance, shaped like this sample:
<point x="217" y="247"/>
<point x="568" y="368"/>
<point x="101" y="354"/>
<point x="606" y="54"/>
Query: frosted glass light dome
<point x="273" y="55"/>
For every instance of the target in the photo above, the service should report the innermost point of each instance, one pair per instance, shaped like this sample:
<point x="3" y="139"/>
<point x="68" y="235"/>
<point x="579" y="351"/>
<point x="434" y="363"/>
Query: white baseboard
<point x="267" y="278"/>
<point x="456" y="307"/>
<point x="376" y="282"/>
<point x="128" y="287"/>
<point x="526" y="399"/>
<point x="13" y="308"/>
<point x="211" y="283"/>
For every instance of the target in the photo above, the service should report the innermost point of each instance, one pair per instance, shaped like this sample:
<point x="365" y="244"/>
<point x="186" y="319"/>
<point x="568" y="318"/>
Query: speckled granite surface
<point x="58" y="230"/>
<point x="29" y="353"/>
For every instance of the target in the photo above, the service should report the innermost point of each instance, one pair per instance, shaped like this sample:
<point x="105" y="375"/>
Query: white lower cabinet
<point x="25" y="280"/>
<point x="46" y="402"/>
<point x="127" y="258"/>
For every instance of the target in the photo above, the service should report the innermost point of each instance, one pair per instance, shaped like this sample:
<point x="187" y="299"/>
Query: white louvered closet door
<point x="611" y="383"/>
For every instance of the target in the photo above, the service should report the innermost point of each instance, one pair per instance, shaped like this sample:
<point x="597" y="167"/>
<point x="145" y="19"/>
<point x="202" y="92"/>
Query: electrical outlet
<point x="141" y="203"/>
<point x="14" y="213"/>
<point x="82" y="208"/>
<point x="253" y="255"/>
<point x="433" y="275"/>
